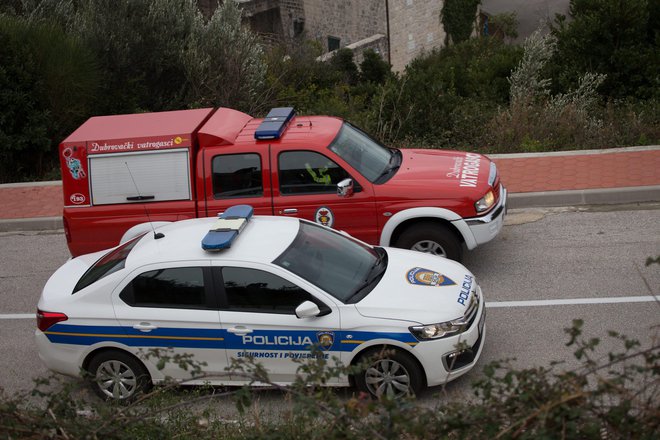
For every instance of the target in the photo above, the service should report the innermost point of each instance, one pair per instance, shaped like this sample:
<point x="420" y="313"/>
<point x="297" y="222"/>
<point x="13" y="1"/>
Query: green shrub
<point x="537" y="120"/>
<point x="222" y="60"/>
<point x="446" y="96"/>
<point x="373" y="68"/>
<point x="458" y="18"/>
<point x="617" y="38"/>
<point x="47" y="85"/>
<point x="612" y="397"/>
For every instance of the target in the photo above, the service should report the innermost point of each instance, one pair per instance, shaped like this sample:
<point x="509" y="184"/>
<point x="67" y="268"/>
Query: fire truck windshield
<point x="371" y="159"/>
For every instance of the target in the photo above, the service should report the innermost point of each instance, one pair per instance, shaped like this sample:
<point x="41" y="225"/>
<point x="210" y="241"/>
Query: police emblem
<point x="324" y="216"/>
<point x="426" y="277"/>
<point x="326" y="339"/>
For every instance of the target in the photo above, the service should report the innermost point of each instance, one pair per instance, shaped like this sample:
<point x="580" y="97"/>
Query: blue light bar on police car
<point x="274" y="123"/>
<point x="225" y="230"/>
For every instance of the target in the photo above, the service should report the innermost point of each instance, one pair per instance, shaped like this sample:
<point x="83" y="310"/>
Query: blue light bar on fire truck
<point x="274" y="123"/>
<point x="225" y="230"/>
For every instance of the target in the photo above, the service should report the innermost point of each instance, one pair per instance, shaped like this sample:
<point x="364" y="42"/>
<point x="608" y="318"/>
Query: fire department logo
<point x="74" y="165"/>
<point x="425" y="277"/>
<point x="326" y="339"/>
<point x="324" y="216"/>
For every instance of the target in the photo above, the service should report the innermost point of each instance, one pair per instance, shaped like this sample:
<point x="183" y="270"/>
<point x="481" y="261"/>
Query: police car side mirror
<point x="345" y="188"/>
<point x="307" y="310"/>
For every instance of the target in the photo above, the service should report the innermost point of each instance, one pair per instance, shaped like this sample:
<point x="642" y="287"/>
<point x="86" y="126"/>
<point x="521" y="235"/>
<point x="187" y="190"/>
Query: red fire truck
<point x="120" y="173"/>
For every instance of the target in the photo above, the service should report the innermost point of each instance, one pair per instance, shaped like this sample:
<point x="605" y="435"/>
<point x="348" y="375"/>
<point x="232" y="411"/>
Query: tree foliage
<point x="451" y="93"/>
<point x="617" y="38"/>
<point x="48" y="81"/>
<point x="125" y="56"/>
<point x="458" y="18"/>
<point x="373" y="68"/>
<point x="504" y="25"/>
<point x="223" y="61"/>
<point x="66" y="60"/>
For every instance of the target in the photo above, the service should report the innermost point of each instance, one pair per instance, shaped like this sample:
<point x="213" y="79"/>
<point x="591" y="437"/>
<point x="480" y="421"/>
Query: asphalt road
<point x="593" y="253"/>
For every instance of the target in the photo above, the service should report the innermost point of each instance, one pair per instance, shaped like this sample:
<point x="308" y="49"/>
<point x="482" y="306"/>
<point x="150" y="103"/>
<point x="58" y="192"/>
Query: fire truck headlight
<point x="485" y="202"/>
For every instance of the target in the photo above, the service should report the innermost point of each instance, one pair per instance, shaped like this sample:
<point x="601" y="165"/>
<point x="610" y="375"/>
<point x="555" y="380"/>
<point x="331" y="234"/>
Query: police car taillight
<point x="47" y="319"/>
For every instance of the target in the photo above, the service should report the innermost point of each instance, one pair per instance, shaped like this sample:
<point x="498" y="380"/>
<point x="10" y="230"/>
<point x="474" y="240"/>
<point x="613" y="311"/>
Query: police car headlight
<point x="438" y="331"/>
<point x="485" y="202"/>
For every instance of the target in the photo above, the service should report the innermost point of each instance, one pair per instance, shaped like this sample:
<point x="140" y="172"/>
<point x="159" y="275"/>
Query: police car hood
<point x="419" y="288"/>
<point x="448" y="170"/>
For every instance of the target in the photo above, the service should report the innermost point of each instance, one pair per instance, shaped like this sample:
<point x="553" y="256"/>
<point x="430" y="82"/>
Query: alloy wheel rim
<point x="429" y="247"/>
<point x="116" y="379"/>
<point x="387" y="377"/>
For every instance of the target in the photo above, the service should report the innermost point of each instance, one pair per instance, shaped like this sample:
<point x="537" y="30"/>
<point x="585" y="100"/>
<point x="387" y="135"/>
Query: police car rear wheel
<point x="431" y="238"/>
<point x="393" y="375"/>
<point x="118" y="376"/>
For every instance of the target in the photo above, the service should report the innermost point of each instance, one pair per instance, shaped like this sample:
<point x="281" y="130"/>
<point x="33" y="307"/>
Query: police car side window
<point x="181" y="287"/>
<point x="308" y="172"/>
<point x="237" y="175"/>
<point x="252" y="290"/>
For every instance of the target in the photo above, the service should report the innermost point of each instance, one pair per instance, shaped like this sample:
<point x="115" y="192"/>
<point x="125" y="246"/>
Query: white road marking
<point x="571" y="301"/>
<point x="19" y="316"/>
<point x="495" y="304"/>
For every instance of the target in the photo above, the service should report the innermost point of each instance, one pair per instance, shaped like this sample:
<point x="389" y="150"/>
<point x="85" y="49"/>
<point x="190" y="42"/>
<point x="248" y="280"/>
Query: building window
<point x="333" y="43"/>
<point x="298" y="26"/>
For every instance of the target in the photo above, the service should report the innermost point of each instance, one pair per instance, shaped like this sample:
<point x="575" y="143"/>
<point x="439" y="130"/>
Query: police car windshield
<point x="330" y="260"/>
<point x="367" y="156"/>
<point x="109" y="263"/>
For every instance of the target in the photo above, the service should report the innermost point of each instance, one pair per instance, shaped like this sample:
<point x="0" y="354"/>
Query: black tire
<point x="433" y="238"/>
<point x="390" y="372"/>
<point x="118" y="376"/>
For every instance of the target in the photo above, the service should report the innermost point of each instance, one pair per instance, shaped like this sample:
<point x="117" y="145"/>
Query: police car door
<point x="258" y="315"/>
<point x="172" y="309"/>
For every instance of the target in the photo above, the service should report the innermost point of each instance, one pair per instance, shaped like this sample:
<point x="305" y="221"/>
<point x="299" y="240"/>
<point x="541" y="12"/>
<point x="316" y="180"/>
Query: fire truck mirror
<point x="345" y="188"/>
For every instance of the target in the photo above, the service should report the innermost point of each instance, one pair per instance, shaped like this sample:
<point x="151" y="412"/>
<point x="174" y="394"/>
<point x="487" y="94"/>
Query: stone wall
<point x="377" y="43"/>
<point x="348" y="20"/>
<point x="415" y="28"/>
<point x="414" y="25"/>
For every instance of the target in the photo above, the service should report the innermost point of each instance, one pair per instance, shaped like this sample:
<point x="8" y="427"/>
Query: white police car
<point x="276" y="287"/>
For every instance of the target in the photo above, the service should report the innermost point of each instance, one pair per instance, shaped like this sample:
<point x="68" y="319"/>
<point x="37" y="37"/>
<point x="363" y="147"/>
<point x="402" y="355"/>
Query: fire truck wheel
<point x="432" y="238"/>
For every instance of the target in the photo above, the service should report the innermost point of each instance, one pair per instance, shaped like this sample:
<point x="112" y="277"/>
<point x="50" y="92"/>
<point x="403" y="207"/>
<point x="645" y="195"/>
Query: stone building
<point x="399" y="30"/>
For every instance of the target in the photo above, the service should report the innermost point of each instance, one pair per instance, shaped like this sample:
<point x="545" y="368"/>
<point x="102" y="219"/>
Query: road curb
<point x="575" y="152"/>
<point x="31" y="224"/>
<point x="604" y="196"/>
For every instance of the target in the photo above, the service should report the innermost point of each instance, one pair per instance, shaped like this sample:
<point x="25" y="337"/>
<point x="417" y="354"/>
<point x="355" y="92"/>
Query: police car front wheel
<point x="389" y="373"/>
<point x="118" y="376"/>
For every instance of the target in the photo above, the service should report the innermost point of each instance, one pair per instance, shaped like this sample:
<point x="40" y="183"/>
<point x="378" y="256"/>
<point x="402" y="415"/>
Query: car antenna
<point x="157" y="235"/>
